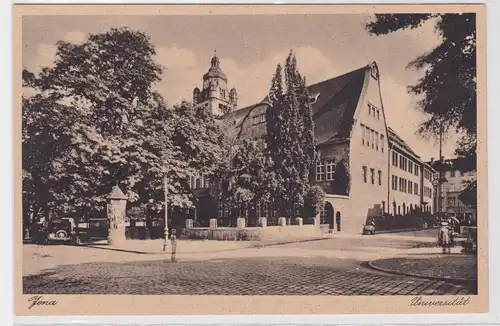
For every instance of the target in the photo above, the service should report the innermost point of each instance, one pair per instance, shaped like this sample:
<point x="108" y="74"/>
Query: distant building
<point x="356" y="145"/>
<point x="454" y="183"/>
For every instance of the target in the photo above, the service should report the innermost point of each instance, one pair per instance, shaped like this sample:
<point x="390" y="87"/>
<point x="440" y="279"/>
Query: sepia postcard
<point x="250" y="159"/>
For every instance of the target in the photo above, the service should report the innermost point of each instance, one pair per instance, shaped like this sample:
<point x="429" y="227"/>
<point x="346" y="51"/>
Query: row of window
<point x="196" y="182"/>
<point x="427" y="192"/>
<point x="372" y="176"/>
<point x="258" y="119"/>
<point x="427" y="175"/>
<point x="373" y="111"/>
<point x="321" y="166"/>
<point x="404" y="163"/>
<point x="403" y="185"/>
<point x="372" y="138"/>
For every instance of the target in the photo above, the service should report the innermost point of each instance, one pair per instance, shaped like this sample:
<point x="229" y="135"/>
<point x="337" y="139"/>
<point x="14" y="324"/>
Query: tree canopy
<point x="289" y="139"/>
<point x="448" y="87"/>
<point x="95" y="121"/>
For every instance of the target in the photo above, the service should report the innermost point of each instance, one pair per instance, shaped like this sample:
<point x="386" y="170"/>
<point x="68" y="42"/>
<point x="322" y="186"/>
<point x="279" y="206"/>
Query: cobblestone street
<point x="257" y="276"/>
<point x="334" y="266"/>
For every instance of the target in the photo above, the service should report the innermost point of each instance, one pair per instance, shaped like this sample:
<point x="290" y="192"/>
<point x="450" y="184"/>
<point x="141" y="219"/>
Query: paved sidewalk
<point x="455" y="267"/>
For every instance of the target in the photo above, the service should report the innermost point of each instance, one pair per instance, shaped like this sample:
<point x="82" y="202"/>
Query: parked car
<point x="369" y="228"/>
<point x="93" y="230"/>
<point x="58" y="230"/>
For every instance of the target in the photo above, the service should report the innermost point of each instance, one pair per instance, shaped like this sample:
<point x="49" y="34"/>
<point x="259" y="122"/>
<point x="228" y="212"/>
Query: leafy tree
<point x="341" y="180"/>
<point x="95" y="122"/>
<point x="448" y="86"/>
<point x="289" y="138"/>
<point x="314" y="201"/>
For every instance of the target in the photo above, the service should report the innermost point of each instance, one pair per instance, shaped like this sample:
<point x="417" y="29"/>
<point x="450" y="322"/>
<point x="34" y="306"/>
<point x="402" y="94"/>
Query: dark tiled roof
<point x="333" y="111"/>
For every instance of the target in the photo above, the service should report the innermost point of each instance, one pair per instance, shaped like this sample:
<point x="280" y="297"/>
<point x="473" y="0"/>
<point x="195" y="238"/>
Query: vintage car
<point x="94" y="229"/>
<point x="58" y="230"/>
<point x="68" y="230"/>
<point x="369" y="228"/>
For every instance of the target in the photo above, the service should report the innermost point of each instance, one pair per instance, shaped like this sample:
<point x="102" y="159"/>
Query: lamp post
<point x="165" y="228"/>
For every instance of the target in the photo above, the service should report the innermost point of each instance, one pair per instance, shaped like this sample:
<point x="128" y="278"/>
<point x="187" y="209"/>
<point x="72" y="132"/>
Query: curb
<point x="257" y="245"/>
<point x="438" y="278"/>
<point x="250" y="245"/>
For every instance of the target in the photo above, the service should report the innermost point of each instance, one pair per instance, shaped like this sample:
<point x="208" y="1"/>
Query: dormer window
<point x="313" y="98"/>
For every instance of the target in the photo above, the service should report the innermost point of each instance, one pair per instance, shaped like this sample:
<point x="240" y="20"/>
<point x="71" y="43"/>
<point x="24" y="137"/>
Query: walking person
<point x="444" y="237"/>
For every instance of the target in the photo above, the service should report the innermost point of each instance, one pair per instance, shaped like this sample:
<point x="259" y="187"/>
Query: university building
<point x="365" y="168"/>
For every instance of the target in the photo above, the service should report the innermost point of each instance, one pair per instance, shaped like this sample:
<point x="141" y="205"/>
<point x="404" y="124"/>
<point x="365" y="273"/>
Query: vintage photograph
<point x="287" y="154"/>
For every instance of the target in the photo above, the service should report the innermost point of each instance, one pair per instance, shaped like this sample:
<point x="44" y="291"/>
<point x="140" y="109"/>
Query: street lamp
<point x="435" y="183"/>
<point x="165" y="228"/>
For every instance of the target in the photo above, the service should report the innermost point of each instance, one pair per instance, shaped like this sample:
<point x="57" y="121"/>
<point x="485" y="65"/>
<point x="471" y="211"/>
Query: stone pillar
<point x="263" y="222"/>
<point x="240" y="223"/>
<point x="213" y="223"/>
<point x="282" y="221"/>
<point x="116" y="210"/>
<point x="317" y="220"/>
<point x="189" y="223"/>
<point x="299" y="221"/>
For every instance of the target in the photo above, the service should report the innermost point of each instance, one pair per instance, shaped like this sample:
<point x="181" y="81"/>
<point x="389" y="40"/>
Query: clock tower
<point x="215" y="95"/>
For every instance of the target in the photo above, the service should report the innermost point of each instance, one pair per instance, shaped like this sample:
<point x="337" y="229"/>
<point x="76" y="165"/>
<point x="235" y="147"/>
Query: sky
<point x="249" y="48"/>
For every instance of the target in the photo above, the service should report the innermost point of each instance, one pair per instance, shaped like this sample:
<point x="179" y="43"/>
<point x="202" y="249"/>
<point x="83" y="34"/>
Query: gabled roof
<point x="395" y="139"/>
<point x="334" y="109"/>
<point x="336" y="102"/>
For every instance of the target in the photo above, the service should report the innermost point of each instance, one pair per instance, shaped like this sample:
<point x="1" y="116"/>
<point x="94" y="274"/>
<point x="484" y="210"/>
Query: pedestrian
<point x="444" y="237"/>
<point x="173" y="241"/>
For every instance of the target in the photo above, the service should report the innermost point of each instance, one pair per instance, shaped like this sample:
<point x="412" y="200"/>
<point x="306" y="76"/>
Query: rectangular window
<point x="394" y="158"/>
<point x="410" y="167"/>
<point x="368" y="136"/>
<point x="410" y="187"/>
<point x="373" y="138"/>
<point x="382" y="143"/>
<point x="415" y="188"/>
<point x="376" y="140"/>
<point x="258" y="119"/>
<point x="401" y="162"/>
<point x="394" y="182"/>
<point x="372" y="176"/>
<point x="378" y="114"/>
<point x="417" y="171"/>
<point x="379" y="177"/>
<point x="364" y="174"/>
<point x="400" y="184"/>
<point x="363" y="137"/>
<point x="258" y="211"/>
<point x="320" y="171"/>
<point x="330" y="168"/>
